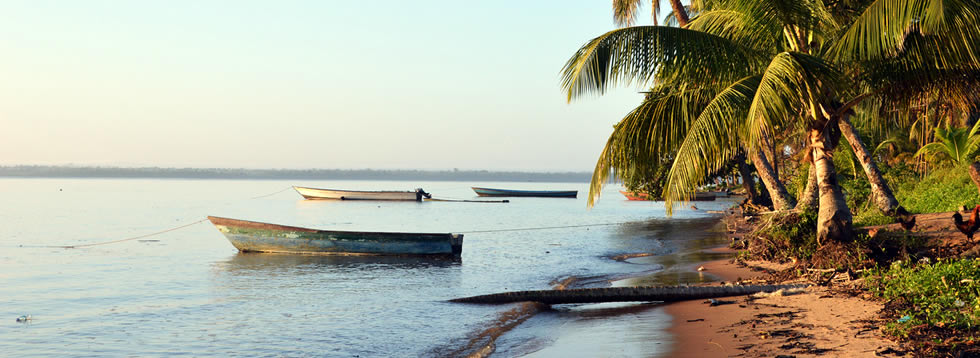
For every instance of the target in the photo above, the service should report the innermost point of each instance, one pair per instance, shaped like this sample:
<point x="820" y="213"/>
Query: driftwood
<point x="622" y="294"/>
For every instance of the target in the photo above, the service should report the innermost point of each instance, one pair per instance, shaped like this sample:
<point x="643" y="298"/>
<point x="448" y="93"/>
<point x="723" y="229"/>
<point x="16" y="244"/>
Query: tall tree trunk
<point x="975" y="174"/>
<point x="747" y="182"/>
<point x="834" y="218"/>
<point x="810" y="196"/>
<point x="679" y="12"/>
<point x="881" y="194"/>
<point x="781" y="200"/>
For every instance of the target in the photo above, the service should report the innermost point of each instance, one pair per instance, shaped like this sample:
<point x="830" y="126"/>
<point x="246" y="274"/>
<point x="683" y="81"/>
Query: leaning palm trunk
<point x="810" y="196"/>
<point x="833" y="218"/>
<point x="679" y="12"/>
<point x="623" y="294"/>
<point x="781" y="200"/>
<point x="880" y="193"/>
<point x="747" y="182"/>
<point x="975" y="174"/>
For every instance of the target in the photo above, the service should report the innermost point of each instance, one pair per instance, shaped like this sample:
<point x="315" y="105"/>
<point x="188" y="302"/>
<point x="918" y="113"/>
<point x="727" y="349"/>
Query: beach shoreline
<point x="820" y="321"/>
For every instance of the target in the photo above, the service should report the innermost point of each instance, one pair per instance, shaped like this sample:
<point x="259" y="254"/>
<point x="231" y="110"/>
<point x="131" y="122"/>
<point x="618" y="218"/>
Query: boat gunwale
<point x="268" y="226"/>
<point x="475" y="188"/>
<point x="357" y="191"/>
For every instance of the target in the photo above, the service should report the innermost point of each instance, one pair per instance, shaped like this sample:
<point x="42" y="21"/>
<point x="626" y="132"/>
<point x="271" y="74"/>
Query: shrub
<point x="943" y="189"/>
<point x="943" y="294"/>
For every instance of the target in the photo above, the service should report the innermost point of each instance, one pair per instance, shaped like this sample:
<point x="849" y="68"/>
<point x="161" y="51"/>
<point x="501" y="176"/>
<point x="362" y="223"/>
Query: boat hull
<point x="635" y="196"/>
<point x="527" y="193"/>
<point x="333" y="194"/>
<point x="252" y="236"/>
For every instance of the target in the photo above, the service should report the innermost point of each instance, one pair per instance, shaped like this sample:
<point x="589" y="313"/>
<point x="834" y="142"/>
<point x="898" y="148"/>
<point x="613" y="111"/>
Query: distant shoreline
<point x="41" y="171"/>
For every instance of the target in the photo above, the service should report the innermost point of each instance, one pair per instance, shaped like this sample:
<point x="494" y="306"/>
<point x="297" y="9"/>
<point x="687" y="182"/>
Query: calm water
<point x="189" y="292"/>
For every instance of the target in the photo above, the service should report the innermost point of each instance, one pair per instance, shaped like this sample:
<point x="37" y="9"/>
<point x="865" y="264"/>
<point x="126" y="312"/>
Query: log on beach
<point x="623" y="294"/>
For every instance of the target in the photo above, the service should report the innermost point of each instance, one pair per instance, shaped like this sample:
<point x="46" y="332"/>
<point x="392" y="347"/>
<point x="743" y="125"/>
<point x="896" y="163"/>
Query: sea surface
<point x="188" y="292"/>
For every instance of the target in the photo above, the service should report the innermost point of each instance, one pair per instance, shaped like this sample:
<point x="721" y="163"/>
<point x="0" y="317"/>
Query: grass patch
<point x="944" y="189"/>
<point x="935" y="305"/>
<point x="872" y="218"/>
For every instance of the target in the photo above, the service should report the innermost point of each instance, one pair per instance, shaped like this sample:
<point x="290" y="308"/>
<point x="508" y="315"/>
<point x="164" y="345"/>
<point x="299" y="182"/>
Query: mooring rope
<point x="115" y="241"/>
<point x="262" y="196"/>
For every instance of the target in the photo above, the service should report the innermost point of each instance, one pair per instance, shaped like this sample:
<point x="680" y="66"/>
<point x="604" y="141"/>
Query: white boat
<point x="335" y="194"/>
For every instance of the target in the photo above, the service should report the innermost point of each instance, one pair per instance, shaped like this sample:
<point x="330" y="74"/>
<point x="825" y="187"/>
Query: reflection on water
<point x="281" y="262"/>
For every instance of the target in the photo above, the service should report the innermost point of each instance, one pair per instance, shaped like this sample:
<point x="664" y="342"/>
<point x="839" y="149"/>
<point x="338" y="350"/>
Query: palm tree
<point x="624" y="11"/>
<point x="956" y="145"/>
<point x="764" y="65"/>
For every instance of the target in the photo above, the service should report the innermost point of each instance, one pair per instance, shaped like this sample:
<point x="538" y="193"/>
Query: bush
<point x="943" y="294"/>
<point x="942" y="190"/>
<point x="786" y="235"/>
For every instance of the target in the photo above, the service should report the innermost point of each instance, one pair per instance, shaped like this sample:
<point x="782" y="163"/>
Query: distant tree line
<point x="40" y="171"/>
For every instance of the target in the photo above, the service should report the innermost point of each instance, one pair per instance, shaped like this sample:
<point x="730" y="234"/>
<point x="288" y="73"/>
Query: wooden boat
<point x="635" y="196"/>
<point x="334" y="194"/>
<point x="253" y="236"/>
<point x="534" y="193"/>
<point x="699" y="196"/>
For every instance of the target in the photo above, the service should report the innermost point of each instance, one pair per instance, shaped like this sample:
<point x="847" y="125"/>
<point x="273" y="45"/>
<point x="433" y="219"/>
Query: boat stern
<point x="456" y="241"/>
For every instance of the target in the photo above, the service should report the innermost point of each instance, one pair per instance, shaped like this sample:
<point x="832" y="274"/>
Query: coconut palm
<point x="625" y="11"/>
<point x="770" y="65"/>
<point x="956" y="145"/>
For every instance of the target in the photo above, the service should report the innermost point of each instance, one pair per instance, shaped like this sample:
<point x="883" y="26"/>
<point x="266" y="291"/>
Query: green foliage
<point x="796" y="181"/>
<point x="943" y="294"/>
<point x="944" y="189"/>
<point x="786" y="235"/>
<point x="872" y="217"/>
<point x="957" y="145"/>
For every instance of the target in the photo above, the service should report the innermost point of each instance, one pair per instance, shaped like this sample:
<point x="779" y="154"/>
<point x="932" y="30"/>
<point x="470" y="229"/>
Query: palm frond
<point x="786" y="86"/>
<point x="884" y="29"/>
<point x="713" y="139"/>
<point x="634" y="55"/>
<point x="647" y="137"/>
<point x="624" y="12"/>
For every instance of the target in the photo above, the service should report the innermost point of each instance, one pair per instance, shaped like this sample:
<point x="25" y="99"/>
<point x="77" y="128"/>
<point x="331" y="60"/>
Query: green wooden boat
<point x="253" y="236"/>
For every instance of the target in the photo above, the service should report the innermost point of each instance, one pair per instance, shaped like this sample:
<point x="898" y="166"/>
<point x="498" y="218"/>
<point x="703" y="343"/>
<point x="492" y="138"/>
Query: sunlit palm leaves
<point x="958" y="145"/>
<point x="632" y="56"/>
<point x="712" y="140"/>
<point x="650" y="133"/>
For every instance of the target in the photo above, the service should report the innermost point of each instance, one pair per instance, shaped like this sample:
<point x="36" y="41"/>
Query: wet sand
<point x="816" y="322"/>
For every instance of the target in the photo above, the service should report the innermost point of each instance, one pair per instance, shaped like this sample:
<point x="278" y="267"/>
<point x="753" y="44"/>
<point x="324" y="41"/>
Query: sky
<point x="294" y="84"/>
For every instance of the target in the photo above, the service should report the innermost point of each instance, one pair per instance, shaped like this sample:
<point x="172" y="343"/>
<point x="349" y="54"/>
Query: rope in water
<point x="262" y="196"/>
<point x="141" y="236"/>
<point x="117" y="241"/>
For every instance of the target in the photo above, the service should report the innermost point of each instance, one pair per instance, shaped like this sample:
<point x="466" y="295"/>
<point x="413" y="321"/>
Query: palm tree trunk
<point x="810" y="197"/>
<point x="975" y="174"/>
<point x="834" y="218"/>
<point x="880" y="192"/>
<point x="747" y="182"/>
<point x="781" y="200"/>
<point x="679" y="12"/>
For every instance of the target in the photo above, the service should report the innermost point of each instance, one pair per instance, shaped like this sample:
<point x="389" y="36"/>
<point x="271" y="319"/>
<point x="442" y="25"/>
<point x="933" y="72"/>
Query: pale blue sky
<point x="432" y="84"/>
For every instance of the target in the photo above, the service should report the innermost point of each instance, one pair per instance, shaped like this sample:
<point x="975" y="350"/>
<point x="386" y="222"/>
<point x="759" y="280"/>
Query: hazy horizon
<point x="301" y="84"/>
<point x="85" y="166"/>
<point x="280" y="173"/>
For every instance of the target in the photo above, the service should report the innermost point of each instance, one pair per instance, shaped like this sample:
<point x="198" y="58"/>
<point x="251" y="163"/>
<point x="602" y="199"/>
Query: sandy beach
<point x="832" y="320"/>
<point x="817" y="322"/>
